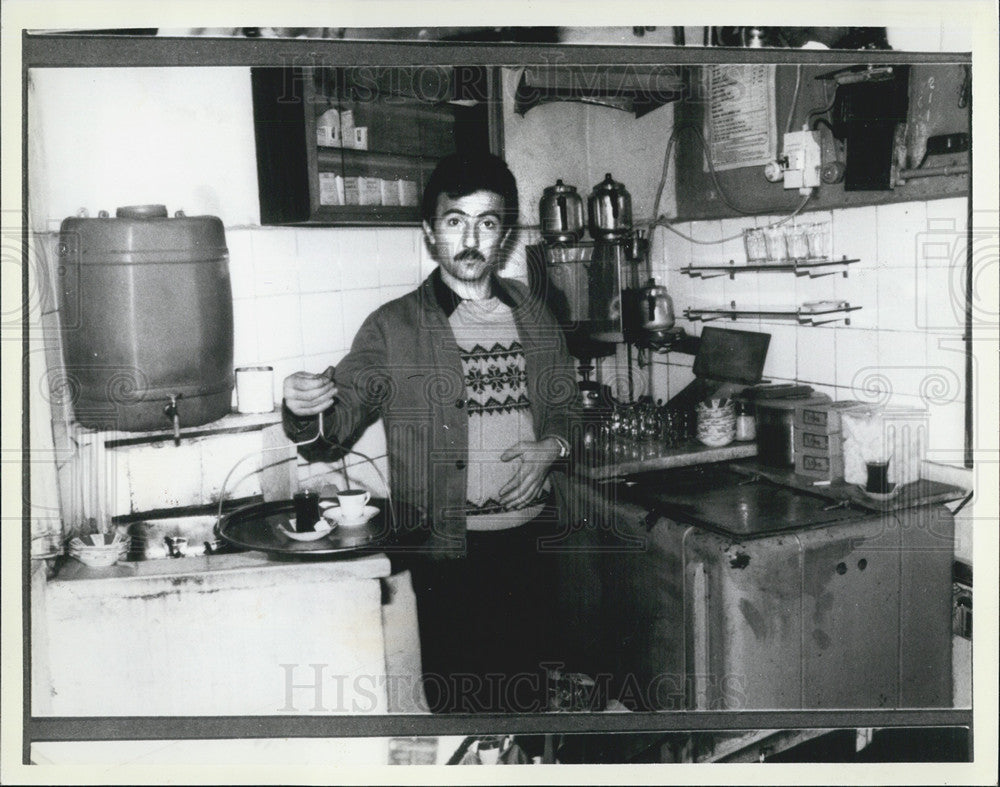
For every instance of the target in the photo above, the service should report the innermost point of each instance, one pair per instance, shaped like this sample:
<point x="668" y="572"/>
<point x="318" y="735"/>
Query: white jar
<point x="255" y="389"/>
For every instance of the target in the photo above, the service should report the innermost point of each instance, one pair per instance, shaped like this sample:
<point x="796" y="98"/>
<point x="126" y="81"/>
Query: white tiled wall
<point x="903" y="348"/>
<point x="299" y="297"/>
<point x="300" y="294"/>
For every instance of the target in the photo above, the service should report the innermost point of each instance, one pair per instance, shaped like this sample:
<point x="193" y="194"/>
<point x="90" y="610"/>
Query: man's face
<point x="468" y="235"/>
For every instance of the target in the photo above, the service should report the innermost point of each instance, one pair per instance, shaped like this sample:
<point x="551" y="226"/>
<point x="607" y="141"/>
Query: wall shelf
<point x="811" y="267"/>
<point x="806" y="314"/>
<point x="409" y="130"/>
<point x="333" y="159"/>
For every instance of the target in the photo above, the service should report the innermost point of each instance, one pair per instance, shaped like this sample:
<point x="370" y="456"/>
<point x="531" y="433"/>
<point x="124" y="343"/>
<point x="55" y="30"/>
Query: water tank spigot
<point x="176" y="545"/>
<point x="171" y="412"/>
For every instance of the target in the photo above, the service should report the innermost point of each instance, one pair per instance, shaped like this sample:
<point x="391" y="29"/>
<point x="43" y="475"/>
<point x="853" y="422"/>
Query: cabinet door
<point x="236" y="641"/>
<point x="850" y="614"/>
<point x="804" y="619"/>
<point x="650" y="610"/>
<point x="579" y="564"/>
<point x="284" y="161"/>
<point x="743" y="622"/>
<point x="925" y="625"/>
<point x="356" y="145"/>
<point x="642" y="578"/>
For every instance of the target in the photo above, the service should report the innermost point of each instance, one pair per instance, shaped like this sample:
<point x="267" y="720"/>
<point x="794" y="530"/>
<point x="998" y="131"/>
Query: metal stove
<point x="739" y="589"/>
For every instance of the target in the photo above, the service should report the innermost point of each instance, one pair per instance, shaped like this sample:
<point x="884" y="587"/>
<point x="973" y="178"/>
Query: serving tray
<point x="258" y="526"/>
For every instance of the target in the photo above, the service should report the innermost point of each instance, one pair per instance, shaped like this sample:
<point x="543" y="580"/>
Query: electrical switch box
<point x="802" y="160"/>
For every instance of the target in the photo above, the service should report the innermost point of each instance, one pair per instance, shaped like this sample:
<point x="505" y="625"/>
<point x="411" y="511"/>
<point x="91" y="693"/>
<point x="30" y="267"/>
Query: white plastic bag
<point x="878" y="434"/>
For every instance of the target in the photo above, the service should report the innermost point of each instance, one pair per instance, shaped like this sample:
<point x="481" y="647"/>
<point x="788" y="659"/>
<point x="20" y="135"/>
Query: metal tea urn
<point x="656" y="309"/>
<point x="610" y="207"/>
<point x="560" y="214"/>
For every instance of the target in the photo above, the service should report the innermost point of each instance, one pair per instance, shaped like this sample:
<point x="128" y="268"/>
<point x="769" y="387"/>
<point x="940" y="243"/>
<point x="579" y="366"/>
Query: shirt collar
<point x="448" y="299"/>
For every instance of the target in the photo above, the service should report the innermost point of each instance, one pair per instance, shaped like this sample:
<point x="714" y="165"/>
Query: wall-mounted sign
<point x="739" y="115"/>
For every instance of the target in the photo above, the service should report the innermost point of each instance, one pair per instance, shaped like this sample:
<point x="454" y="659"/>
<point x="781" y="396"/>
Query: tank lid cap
<point x="142" y="212"/>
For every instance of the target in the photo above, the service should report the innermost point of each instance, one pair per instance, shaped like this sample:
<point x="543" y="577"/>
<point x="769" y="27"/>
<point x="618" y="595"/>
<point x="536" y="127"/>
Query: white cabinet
<point x="220" y="635"/>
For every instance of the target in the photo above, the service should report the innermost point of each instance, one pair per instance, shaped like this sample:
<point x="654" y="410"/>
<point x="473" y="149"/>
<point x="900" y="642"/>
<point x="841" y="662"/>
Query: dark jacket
<point x="404" y="366"/>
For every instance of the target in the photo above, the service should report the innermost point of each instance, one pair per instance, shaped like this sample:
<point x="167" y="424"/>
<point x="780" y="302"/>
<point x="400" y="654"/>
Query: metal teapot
<point x="560" y="213"/>
<point x="656" y="309"/>
<point x="594" y="396"/>
<point x="610" y="207"/>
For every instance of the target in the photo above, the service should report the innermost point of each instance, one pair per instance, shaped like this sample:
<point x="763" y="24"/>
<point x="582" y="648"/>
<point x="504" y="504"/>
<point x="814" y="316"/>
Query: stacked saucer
<point x="716" y="422"/>
<point x="99" y="550"/>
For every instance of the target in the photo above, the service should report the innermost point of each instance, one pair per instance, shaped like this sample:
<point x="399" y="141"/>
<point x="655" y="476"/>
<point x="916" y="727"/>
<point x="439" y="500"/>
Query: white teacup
<point x="353" y="502"/>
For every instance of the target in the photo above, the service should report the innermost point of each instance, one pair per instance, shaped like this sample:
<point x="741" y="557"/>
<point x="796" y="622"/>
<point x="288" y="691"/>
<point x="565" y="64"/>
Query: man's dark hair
<point x="461" y="174"/>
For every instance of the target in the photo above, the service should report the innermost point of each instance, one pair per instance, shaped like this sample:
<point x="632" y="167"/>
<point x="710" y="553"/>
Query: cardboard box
<point x="352" y="195"/>
<point x="408" y="195"/>
<point x="347" y="128"/>
<point x="818" y="442"/>
<point x="331" y="189"/>
<point x="820" y="465"/>
<point x="328" y="129"/>
<point x="390" y="191"/>
<point x="824" y="417"/>
<point x="362" y="191"/>
<point x="368" y="189"/>
<point x="818" y="453"/>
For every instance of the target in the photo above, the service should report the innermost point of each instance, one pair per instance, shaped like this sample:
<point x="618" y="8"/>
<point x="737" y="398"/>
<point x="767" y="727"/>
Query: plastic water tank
<point x="146" y="311"/>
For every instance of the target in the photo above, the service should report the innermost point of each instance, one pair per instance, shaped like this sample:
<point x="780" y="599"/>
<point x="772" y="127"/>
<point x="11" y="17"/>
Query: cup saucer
<point x="881" y="496"/>
<point x="321" y="528"/>
<point x="338" y="516"/>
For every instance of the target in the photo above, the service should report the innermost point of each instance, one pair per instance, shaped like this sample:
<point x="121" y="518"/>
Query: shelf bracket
<point x="696" y="273"/>
<point x="702" y="314"/>
<point x="813" y="273"/>
<point x="808" y="319"/>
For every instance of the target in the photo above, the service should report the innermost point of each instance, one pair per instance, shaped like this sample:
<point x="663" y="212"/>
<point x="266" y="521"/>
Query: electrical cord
<point x="822" y="121"/>
<point x="785" y="220"/>
<point x="795" y="98"/>
<point x="711" y="169"/>
<point x="662" y="221"/>
<point x="824" y="110"/>
<point x="821" y="110"/>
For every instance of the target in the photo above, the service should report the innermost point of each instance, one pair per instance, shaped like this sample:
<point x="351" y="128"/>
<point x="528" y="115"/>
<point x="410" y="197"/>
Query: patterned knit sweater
<point x="499" y="410"/>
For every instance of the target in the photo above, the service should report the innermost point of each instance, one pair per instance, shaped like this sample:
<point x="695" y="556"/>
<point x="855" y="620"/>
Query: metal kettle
<point x="560" y="213"/>
<point x="594" y="396"/>
<point x="610" y="207"/>
<point x="656" y="309"/>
